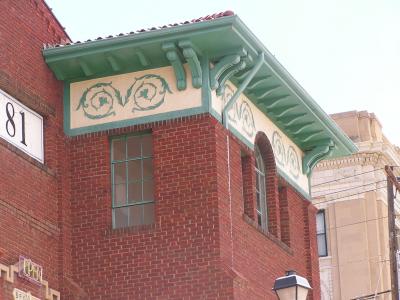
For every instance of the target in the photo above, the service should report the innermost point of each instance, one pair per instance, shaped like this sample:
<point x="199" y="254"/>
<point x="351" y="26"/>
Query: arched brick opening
<point x="271" y="182"/>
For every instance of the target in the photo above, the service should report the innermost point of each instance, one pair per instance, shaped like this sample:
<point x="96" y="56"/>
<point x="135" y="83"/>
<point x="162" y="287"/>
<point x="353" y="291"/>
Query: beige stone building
<point x="352" y="222"/>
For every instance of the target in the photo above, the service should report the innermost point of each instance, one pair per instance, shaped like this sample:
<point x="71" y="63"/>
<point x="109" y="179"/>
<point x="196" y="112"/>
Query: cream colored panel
<point x="129" y="96"/>
<point x="247" y="119"/>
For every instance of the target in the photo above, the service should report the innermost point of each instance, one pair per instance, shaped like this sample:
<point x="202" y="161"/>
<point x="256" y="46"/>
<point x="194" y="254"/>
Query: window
<point x="321" y="234"/>
<point x="132" y="180"/>
<point x="261" y="204"/>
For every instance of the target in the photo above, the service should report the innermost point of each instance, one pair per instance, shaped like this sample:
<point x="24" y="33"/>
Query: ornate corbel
<point x="313" y="156"/>
<point x="190" y="53"/>
<point x="226" y="67"/>
<point x="173" y="56"/>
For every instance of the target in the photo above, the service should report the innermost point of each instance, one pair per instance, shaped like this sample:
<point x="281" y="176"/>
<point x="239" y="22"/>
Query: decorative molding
<point x="190" y="55"/>
<point x="226" y="67"/>
<point x="240" y="113"/>
<point x="8" y="273"/>
<point x="173" y="57"/>
<point x="313" y="156"/>
<point x="146" y="93"/>
<point x="285" y="158"/>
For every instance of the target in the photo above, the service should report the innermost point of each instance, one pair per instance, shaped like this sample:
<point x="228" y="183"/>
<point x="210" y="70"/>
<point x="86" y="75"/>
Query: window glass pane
<point x="147" y="145"/>
<point x="121" y="217"/>
<point x="258" y="201"/>
<point x="134" y="146"/>
<point x="118" y="149"/>
<point x="119" y="173"/>
<point x="320" y="222"/>
<point x="147" y="168"/>
<point x="135" y="192"/>
<point x="148" y="190"/>
<point x="257" y="182"/>
<point x="321" y="241"/>
<point x="136" y="215"/>
<point x="148" y="213"/>
<point x="119" y="194"/>
<point x="259" y="219"/>
<point x="135" y="170"/>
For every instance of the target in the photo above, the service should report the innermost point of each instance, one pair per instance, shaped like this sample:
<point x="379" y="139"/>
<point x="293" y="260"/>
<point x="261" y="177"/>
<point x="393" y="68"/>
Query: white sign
<point x="21" y="295"/>
<point x="21" y="126"/>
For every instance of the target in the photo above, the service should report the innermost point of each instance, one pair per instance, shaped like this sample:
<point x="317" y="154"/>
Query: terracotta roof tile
<point x="202" y="19"/>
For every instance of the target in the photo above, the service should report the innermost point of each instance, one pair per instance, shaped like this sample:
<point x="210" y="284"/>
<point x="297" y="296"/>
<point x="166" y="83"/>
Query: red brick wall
<point x="31" y="194"/>
<point x="193" y="250"/>
<point x="177" y="257"/>
<point x="257" y="258"/>
<point x="202" y="244"/>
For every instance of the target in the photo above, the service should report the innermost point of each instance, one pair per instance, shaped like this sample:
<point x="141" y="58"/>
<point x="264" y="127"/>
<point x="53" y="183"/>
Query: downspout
<point x="241" y="88"/>
<point x="228" y="106"/>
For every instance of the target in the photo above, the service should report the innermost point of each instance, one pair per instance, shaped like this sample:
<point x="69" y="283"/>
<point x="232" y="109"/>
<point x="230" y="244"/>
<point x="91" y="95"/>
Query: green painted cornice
<point x="232" y="50"/>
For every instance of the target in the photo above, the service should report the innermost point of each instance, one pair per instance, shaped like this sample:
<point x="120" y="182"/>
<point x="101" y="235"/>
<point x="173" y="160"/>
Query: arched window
<point x="261" y="200"/>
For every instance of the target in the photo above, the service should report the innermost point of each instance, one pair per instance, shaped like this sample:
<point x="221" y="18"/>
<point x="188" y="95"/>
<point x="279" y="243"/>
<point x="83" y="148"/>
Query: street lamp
<point x="291" y="287"/>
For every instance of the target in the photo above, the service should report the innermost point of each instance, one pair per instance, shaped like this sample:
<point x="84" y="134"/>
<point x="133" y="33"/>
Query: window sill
<point x="271" y="237"/>
<point x="131" y="229"/>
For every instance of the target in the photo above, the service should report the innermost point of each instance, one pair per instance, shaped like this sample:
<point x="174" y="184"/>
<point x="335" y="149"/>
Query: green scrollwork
<point x="240" y="112"/>
<point x="293" y="162"/>
<point x="279" y="148"/>
<point x="288" y="159"/>
<point x="97" y="101"/>
<point x="147" y="92"/>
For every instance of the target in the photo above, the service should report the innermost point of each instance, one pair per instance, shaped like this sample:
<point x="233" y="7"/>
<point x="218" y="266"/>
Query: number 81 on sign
<point x="21" y="126"/>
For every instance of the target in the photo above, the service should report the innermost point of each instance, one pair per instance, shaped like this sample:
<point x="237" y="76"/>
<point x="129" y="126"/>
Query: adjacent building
<point x="352" y="224"/>
<point x="168" y="163"/>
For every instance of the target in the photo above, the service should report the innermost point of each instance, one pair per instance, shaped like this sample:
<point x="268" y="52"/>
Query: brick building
<point x="175" y="162"/>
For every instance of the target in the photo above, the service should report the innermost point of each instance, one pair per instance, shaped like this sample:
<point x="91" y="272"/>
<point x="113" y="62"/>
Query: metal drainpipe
<point x="241" y="88"/>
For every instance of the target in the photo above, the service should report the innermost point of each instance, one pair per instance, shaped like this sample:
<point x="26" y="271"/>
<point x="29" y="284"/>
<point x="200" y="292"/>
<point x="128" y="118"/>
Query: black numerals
<point x="10" y="123"/>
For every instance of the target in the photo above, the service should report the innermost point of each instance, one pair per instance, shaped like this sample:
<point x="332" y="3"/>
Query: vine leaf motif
<point x="239" y="112"/>
<point x="293" y="162"/>
<point x="279" y="148"/>
<point x="147" y="92"/>
<point x="97" y="101"/>
<point x="285" y="158"/>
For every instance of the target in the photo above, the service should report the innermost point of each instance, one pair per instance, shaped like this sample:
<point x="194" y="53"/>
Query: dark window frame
<point x="322" y="234"/>
<point x="125" y="162"/>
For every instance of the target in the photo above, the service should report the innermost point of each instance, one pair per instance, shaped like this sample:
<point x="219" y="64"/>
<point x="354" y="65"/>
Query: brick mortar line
<point x="26" y="157"/>
<point x="45" y="227"/>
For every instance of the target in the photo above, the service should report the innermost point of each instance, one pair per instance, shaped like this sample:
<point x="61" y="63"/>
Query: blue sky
<point x="345" y="53"/>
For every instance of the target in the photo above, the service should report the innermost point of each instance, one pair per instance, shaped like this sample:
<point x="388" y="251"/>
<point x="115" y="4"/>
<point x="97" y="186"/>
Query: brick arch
<point x="271" y="182"/>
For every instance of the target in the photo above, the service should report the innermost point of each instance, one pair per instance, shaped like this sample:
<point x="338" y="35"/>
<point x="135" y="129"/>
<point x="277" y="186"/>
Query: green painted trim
<point x="172" y="33"/>
<point x="205" y="88"/>
<point x="311" y="158"/>
<point x="67" y="119"/>
<point x="173" y="57"/>
<point x="309" y="103"/>
<point x="194" y="64"/>
<point x="142" y="120"/>
<point x="293" y="184"/>
<point x="234" y="35"/>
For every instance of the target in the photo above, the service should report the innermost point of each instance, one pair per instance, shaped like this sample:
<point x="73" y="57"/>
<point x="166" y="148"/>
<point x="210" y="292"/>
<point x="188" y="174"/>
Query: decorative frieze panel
<point x="125" y="99"/>
<point x="245" y="120"/>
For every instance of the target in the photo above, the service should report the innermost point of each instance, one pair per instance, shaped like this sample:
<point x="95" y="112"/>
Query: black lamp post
<point x="291" y="287"/>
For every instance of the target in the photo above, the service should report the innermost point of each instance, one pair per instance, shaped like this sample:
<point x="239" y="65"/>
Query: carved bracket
<point x="190" y="55"/>
<point x="173" y="56"/>
<point x="313" y="156"/>
<point x="226" y="67"/>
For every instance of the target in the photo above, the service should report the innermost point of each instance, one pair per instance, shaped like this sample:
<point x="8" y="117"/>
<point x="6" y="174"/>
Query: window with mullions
<point x="321" y="234"/>
<point x="132" y="180"/>
<point x="261" y="208"/>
